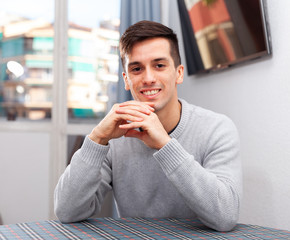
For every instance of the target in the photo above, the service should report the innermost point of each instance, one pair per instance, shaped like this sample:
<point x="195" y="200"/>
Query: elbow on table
<point x="63" y="215"/>
<point x="227" y="216"/>
<point x="225" y="224"/>
<point x="63" y="208"/>
<point x="225" y="227"/>
<point x="67" y="213"/>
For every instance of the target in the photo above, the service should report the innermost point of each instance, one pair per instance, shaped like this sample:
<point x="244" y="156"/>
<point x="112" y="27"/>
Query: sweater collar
<point x="183" y="119"/>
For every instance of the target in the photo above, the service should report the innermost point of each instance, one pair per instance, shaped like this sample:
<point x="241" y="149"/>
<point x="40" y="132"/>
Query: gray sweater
<point x="196" y="175"/>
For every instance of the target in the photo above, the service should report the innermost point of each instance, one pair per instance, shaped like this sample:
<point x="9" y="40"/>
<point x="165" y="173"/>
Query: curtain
<point x="193" y="59"/>
<point x="133" y="11"/>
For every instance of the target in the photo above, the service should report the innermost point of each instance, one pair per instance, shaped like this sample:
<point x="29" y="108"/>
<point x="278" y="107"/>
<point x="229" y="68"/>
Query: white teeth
<point x="152" y="92"/>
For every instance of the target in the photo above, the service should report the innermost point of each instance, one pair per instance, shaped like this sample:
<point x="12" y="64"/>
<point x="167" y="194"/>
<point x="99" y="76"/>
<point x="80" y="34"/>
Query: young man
<point x="161" y="156"/>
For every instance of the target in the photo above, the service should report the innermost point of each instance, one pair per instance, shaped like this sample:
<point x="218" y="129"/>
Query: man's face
<point x="150" y="73"/>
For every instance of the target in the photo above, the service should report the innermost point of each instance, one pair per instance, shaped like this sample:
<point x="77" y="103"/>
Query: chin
<point x="157" y="107"/>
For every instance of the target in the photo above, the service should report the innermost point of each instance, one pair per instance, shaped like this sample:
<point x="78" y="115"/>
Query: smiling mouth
<point x="150" y="92"/>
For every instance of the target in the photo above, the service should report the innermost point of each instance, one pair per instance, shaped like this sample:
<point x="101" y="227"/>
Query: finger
<point x="130" y="125"/>
<point x="148" y="105"/>
<point x="141" y="108"/>
<point x="130" y="118"/>
<point x="133" y="102"/>
<point x="133" y="110"/>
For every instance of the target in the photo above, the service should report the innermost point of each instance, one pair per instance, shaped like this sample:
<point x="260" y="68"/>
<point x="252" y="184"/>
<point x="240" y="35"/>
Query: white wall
<point x="257" y="97"/>
<point x="24" y="176"/>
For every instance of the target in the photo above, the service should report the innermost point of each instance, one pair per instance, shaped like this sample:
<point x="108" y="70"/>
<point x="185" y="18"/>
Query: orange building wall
<point x="202" y="16"/>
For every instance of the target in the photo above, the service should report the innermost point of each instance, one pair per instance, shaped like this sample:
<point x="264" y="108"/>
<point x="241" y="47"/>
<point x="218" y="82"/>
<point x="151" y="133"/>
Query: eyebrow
<point x="161" y="59"/>
<point x="133" y="63"/>
<point x="154" y="60"/>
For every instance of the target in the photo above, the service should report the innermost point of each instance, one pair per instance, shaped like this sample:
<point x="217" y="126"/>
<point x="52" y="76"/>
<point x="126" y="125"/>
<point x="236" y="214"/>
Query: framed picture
<point x="218" y="34"/>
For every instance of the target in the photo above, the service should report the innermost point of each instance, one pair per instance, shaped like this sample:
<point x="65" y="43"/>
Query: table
<point x="134" y="228"/>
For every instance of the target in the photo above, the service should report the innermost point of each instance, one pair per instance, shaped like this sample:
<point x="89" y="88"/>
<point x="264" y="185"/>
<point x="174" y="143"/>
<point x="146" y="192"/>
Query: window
<point x="27" y="50"/>
<point x="93" y="61"/>
<point x="58" y="74"/>
<point x="93" y="64"/>
<point x="26" y="53"/>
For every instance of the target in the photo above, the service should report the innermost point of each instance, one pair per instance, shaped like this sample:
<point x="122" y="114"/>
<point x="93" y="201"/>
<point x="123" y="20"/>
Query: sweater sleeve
<point x="212" y="188"/>
<point x="83" y="185"/>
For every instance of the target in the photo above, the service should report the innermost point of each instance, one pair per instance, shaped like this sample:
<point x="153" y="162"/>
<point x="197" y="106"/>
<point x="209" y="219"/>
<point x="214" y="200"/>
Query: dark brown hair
<point x="144" y="30"/>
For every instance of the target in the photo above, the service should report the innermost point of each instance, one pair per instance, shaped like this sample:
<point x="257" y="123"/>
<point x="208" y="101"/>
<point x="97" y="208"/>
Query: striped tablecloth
<point x="134" y="228"/>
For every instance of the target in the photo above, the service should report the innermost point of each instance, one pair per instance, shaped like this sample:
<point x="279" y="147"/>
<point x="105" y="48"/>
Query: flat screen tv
<point x="218" y="34"/>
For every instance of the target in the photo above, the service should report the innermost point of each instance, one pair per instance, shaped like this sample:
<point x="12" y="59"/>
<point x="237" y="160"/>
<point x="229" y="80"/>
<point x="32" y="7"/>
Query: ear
<point x="125" y="78"/>
<point x="180" y="74"/>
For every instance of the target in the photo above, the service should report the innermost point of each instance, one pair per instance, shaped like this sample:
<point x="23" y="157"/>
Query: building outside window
<point x="26" y="58"/>
<point x="93" y="70"/>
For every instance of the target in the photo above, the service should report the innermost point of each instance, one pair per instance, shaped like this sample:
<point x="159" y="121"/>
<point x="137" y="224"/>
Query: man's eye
<point x="136" y="69"/>
<point x="160" y="65"/>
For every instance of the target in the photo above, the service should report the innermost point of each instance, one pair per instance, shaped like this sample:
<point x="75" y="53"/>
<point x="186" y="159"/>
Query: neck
<point x="170" y="117"/>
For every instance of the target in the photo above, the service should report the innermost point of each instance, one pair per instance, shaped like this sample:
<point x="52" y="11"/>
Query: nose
<point x="149" y="77"/>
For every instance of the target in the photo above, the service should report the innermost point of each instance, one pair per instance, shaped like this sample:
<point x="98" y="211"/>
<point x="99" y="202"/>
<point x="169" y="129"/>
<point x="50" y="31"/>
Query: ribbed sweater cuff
<point x="170" y="156"/>
<point x="93" y="153"/>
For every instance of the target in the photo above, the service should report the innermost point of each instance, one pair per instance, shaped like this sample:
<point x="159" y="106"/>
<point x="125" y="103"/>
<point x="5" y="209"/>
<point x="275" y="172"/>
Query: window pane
<point x="93" y="58"/>
<point x="26" y="55"/>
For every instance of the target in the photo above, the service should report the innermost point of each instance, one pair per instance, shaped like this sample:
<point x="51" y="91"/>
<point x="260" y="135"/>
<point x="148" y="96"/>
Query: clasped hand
<point x="125" y="118"/>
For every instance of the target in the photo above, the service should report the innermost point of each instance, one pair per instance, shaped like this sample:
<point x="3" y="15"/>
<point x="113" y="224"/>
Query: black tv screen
<point x="218" y="34"/>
